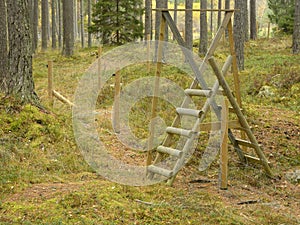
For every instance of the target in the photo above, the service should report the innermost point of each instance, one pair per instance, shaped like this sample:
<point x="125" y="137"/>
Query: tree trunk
<point x="53" y="11"/>
<point x="160" y="4"/>
<point x="219" y="13"/>
<point x="203" y="29"/>
<point x="3" y="45"/>
<point x="253" y="31"/>
<point x="211" y="17"/>
<point x="82" y="23"/>
<point x="20" y="82"/>
<point x="59" y="23"/>
<point x="35" y="24"/>
<point x="45" y="16"/>
<point x="175" y="14"/>
<point x="189" y="24"/>
<point x="75" y="18"/>
<point x="239" y="34"/>
<point x="296" y="33"/>
<point x="245" y="16"/>
<point x="227" y="6"/>
<point x="68" y="28"/>
<point x="89" y="22"/>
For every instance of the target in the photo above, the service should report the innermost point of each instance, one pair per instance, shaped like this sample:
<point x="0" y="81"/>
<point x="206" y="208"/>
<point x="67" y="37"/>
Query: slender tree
<point x="211" y="17"/>
<point x="219" y="13"/>
<point x="203" y="28"/>
<point x="227" y="6"/>
<point x="239" y="34"/>
<point x="175" y="16"/>
<point x="53" y="23"/>
<point x="68" y="28"/>
<point x="59" y="21"/>
<point x="245" y="17"/>
<point x="253" y="31"/>
<point x="3" y="45"/>
<point x="19" y="81"/>
<point x="82" y="23"/>
<point x="45" y="16"/>
<point x="89" y="12"/>
<point x="148" y="18"/>
<point x="296" y="33"/>
<point x="160" y="4"/>
<point x="189" y="24"/>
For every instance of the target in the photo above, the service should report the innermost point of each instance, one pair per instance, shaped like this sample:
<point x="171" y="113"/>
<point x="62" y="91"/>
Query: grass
<point x="45" y="180"/>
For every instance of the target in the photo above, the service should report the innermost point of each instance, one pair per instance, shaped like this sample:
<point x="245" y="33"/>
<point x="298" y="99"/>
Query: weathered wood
<point x="179" y="131"/>
<point x="224" y="147"/>
<point x="241" y="117"/>
<point x="116" y="112"/>
<point x="50" y="82"/>
<point x="62" y="98"/>
<point x="156" y="90"/>
<point x="99" y="66"/>
<point x="189" y="112"/>
<point x="198" y="92"/>
<point x="253" y="160"/>
<point x="161" y="171"/>
<point x="148" y="53"/>
<point x="170" y="151"/>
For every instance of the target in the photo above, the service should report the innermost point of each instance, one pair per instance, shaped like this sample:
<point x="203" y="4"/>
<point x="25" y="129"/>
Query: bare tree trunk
<point x="59" y="23"/>
<point x="175" y="14"/>
<point x="160" y="4"/>
<point x="75" y="19"/>
<point x="53" y="13"/>
<point x="219" y="13"/>
<point x="148" y="15"/>
<point x="189" y="24"/>
<point x="3" y="45"/>
<point x="68" y="28"/>
<point x="45" y="16"/>
<point x="89" y="23"/>
<point x="296" y="33"/>
<point x="227" y="6"/>
<point x="35" y="24"/>
<point x="253" y="31"/>
<point x="239" y="34"/>
<point x="211" y="17"/>
<point x="81" y="23"/>
<point x="203" y="29"/>
<point x="19" y="82"/>
<point x="245" y="16"/>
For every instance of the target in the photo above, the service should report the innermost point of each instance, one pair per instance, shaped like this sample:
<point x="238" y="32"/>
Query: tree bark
<point x="253" y="31"/>
<point x="35" y="24"/>
<point x="20" y="83"/>
<point x="219" y="13"/>
<point x="53" y="13"/>
<point x="189" y="24"/>
<point x="175" y="16"/>
<point x="160" y="4"/>
<point x="59" y="23"/>
<point x="211" y="17"/>
<point x="245" y="16"/>
<point x="296" y="33"/>
<point x="45" y="16"/>
<point x="68" y="28"/>
<point x="203" y="29"/>
<point x="3" y="45"/>
<point x="148" y="16"/>
<point x="89" y="22"/>
<point x="82" y="23"/>
<point x="239" y="34"/>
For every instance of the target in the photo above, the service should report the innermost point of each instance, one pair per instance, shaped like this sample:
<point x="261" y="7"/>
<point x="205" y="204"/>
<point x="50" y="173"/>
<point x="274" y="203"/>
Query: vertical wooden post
<point x="50" y="82"/>
<point x="148" y="53"/>
<point x="224" y="146"/>
<point x="269" y="26"/>
<point x="156" y="89"/>
<point x="116" y="112"/>
<point x="99" y="66"/>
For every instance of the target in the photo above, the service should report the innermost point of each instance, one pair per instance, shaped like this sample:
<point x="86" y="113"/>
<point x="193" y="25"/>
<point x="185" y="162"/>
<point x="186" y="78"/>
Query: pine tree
<point x="117" y="21"/>
<point x="282" y="14"/>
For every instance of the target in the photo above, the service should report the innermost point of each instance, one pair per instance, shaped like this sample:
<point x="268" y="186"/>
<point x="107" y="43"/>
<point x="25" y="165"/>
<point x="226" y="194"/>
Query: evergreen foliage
<point x="117" y="21"/>
<point x="282" y="14"/>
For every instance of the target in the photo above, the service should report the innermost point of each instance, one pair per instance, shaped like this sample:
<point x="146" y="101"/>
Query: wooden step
<point x="159" y="170"/>
<point x="170" y="151"/>
<point x="179" y="131"/>
<point x="189" y="112"/>
<point x="245" y="143"/>
<point x="254" y="160"/>
<point x="198" y="92"/>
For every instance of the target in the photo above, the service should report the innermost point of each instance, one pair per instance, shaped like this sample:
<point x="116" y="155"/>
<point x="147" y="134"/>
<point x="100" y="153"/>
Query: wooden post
<point x="269" y="26"/>
<point x="148" y="53"/>
<point x="50" y="82"/>
<point x="116" y="112"/>
<point x="156" y="89"/>
<point x="224" y="146"/>
<point x="99" y="66"/>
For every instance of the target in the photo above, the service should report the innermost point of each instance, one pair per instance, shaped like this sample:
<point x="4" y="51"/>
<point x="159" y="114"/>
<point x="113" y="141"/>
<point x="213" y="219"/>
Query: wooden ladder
<point x="189" y="136"/>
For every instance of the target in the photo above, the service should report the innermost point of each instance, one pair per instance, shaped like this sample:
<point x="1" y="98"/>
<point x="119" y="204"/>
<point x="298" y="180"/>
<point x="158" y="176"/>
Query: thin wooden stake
<point x="99" y="66"/>
<point x="148" y="53"/>
<point x="50" y="82"/>
<point x="116" y="113"/>
<point x="156" y="90"/>
<point x="62" y="98"/>
<point x="224" y="147"/>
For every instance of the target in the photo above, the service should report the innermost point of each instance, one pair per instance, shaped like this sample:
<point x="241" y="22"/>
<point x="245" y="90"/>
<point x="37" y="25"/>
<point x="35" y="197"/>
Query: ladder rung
<point x="161" y="171"/>
<point x="170" y="151"/>
<point x="198" y="92"/>
<point x="179" y="131"/>
<point x="253" y="159"/>
<point x="189" y="112"/>
<point x="245" y="143"/>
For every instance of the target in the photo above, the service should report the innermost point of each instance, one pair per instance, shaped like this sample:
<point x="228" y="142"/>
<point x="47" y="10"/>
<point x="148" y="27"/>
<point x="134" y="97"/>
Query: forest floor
<point x="44" y="178"/>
